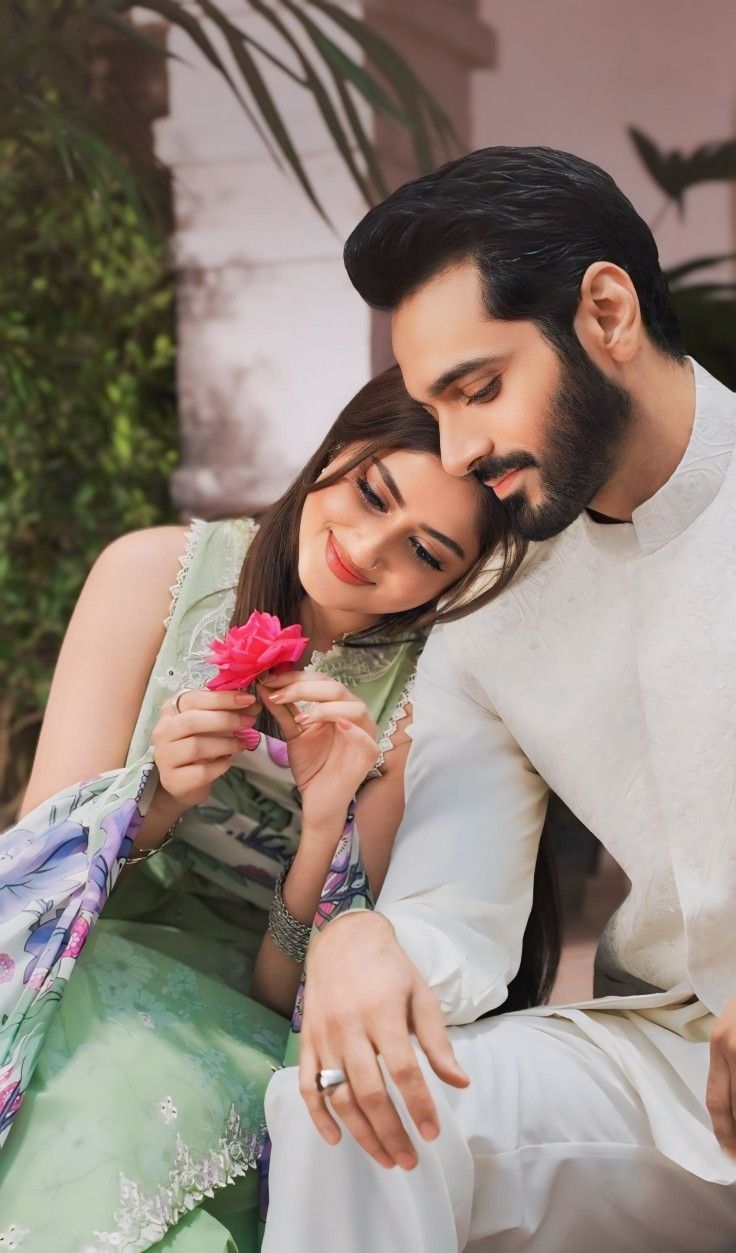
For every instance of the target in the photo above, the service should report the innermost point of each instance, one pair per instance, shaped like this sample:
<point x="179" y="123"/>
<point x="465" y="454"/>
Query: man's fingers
<point x="313" y="1098"/>
<point x="401" y="1063"/>
<point x="367" y="1092"/>
<point x="430" y="1030"/>
<point x="344" y="1103"/>
<point x="718" y="1100"/>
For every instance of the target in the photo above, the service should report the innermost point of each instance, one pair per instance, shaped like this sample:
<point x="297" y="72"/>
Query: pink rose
<point x="248" y="651"/>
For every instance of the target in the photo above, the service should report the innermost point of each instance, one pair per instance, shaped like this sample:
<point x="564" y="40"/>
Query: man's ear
<point x="608" y="318"/>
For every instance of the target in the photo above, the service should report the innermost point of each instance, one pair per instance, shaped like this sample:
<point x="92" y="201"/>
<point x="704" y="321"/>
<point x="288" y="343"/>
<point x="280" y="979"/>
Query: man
<point x="531" y="318"/>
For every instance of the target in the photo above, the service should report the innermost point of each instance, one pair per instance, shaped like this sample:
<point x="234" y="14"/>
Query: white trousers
<point x="550" y="1150"/>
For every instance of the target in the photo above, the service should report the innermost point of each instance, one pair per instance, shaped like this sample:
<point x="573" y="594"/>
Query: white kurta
<point x="608" y="672"/>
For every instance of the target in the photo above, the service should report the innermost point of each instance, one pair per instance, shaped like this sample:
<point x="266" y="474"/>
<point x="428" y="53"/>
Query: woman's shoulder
<point x="156" y="554"/>
<point x="151" y="554"/>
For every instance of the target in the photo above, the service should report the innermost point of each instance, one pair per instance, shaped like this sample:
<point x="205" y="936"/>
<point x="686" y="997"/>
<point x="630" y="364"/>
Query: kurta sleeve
<point x="459" y="886"/>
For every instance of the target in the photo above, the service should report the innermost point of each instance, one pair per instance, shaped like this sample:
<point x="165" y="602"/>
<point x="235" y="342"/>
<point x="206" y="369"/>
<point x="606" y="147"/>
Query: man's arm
<point x="458" y="890"/>
<point x="453" y="910"/>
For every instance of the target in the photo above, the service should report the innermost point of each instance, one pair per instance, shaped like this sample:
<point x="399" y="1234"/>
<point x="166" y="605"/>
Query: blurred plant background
<point x="706" y="306"/>
<point x="89" y="431"/>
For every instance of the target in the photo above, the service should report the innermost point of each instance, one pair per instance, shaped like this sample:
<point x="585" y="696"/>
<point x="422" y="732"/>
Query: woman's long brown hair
<point x="382" y="418"/>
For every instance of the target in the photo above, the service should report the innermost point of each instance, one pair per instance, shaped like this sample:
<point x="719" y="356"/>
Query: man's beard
<point x="588" y="419"/>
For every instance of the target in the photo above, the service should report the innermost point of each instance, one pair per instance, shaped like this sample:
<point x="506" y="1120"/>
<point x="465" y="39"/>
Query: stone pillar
<point x="272" y="338"/>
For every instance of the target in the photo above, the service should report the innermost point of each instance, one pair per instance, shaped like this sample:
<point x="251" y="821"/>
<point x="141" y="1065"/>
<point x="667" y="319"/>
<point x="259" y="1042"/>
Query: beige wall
<point x="574" y="73"/>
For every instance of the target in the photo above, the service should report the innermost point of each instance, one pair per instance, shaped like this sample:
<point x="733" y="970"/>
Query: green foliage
<point x="44" y="78"/>
<point x="709" y="331"/>
<point x="706" y="308"/>
<point x="88" y="428"/>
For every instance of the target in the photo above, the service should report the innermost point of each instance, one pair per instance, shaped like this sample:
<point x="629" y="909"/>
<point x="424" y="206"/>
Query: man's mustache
<point x="493" y="467"/>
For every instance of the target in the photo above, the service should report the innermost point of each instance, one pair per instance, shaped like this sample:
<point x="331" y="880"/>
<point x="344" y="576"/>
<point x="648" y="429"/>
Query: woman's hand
<point x="196" y="744"/>
<point x="331" y="746"/>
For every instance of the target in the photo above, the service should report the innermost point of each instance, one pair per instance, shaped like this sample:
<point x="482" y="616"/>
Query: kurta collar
<point x="698" y="478"/>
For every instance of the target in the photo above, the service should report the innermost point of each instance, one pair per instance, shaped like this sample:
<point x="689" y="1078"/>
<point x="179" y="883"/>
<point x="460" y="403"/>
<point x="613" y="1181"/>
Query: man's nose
<point x="462" y="445"/>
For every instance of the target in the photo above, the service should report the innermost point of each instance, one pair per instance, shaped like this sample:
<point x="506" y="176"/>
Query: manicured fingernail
<point x="407" y="1161"/>
<point x="331" y="1135"/>
<point x="384" y="1160"/>
<point x="429" y="1131"/>
<point x="244" y="698"/>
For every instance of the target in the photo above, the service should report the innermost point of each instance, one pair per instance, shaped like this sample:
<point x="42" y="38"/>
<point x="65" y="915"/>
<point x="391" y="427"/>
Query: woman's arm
<point x="379" y="809"/>
<point x="105" y="662"/>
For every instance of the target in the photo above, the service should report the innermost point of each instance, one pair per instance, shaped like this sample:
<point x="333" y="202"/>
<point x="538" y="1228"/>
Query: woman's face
<point x="390" y="535"/>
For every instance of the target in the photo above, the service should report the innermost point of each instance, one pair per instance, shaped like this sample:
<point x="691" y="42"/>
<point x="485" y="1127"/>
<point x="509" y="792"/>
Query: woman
<point x="142" y="1117"/>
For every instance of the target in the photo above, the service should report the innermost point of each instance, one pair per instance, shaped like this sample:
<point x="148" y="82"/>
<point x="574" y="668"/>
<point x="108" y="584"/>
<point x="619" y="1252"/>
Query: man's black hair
<point x="532" y="220"/>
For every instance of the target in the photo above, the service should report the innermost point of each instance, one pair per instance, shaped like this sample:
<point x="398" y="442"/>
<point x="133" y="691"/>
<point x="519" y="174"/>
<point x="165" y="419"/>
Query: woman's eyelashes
<point x="423" y="555"/>
<point x="372" y="498"/>
<point x="378" y="504"/>
<point x="488" y="392"/>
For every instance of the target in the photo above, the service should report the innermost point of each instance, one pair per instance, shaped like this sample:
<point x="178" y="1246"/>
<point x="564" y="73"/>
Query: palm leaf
<point x="344" y="70"/>
<point x="348" y="69"/>
<point x="45" y="53"/>
<point x="237" y="41"/>
<point x="677" y="273"/>
<point x="675" y="171"/>
<point x="321" y="96"/>
<point x="410" y="91"/>
<point x="179" y="17"/>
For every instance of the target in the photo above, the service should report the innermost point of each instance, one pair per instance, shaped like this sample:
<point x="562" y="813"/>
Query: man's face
<point x="540" y="428"/>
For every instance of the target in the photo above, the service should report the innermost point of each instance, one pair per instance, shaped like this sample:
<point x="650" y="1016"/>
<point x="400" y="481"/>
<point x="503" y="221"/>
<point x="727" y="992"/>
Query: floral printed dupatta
<point x="57" y="869"/>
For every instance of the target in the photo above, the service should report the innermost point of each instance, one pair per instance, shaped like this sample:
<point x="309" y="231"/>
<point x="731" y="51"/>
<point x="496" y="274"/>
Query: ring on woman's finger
<point x="326" y="1079"/>
<point x="178" y="697"/>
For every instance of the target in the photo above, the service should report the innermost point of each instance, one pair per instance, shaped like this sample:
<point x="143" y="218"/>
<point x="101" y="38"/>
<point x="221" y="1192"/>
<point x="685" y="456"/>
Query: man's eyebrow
<point x="445" y="539"/>
<point x="390" y="481"/>
<point x="459" y="371"/>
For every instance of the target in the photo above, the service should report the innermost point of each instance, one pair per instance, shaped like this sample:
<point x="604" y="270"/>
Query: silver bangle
<point x="290" y="936"/>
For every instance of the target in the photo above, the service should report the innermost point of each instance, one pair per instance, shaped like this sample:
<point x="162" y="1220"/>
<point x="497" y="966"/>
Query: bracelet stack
<point x="290" y="936"/>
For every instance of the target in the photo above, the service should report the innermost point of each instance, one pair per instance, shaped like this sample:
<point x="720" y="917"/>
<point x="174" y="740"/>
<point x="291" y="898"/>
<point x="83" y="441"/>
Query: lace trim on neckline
<point x="385" y="744"/>
<point x="193" y="669"/>
<point x="143" y="1219"/>
<point x="194" y="532"/>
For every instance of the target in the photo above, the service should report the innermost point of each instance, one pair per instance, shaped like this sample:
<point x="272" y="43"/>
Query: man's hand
<point x="363" y="998"/>
<point x="720" y="1095"/>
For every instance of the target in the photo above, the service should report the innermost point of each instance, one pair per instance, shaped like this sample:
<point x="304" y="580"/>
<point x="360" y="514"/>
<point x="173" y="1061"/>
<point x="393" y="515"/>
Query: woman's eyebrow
<point x="444" y="539"/>
<point x="392" y="486"/>
<point x="389" y="480"/>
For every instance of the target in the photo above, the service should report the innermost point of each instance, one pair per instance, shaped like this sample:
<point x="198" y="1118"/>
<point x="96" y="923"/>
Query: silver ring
<point x="329" y="1079"/>
<point x="178" y="697"/>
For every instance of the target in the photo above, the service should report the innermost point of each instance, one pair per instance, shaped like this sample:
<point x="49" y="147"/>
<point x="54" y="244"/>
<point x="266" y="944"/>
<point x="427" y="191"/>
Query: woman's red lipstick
<point x="340" y="565"/>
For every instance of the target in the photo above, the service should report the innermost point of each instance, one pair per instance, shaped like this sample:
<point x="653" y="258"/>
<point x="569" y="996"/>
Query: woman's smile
<point x="341" y="565"/>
